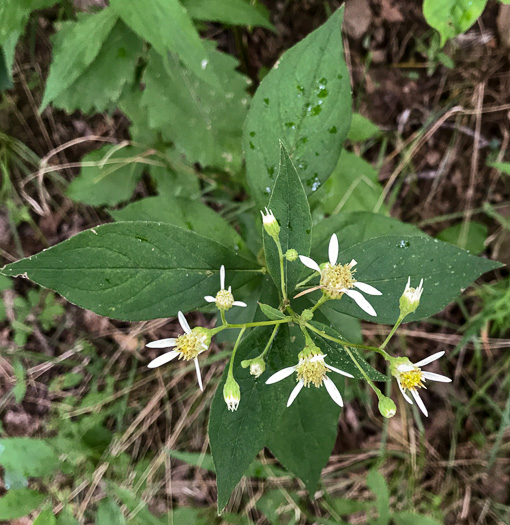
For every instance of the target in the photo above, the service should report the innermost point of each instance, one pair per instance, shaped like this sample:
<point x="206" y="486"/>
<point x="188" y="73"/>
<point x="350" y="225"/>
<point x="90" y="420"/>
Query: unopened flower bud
<point x="257" y="366"/>
<point x="387" y="407"/>
<point x="231" y="393"/>
<point x="291" y="255"/>
<point x="270" y="224"/>
<point x="410" y="299"/>
<point x="306" y="315"/>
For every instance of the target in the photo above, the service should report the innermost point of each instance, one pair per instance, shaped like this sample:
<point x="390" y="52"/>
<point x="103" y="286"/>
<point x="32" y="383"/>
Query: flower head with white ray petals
<point x="410" y="377"/>
<point x="224" y="299"/>
<point x="310" y="369"/>
<point x="410" y="299"/>
<point x="337" y="279"/>
<point x="187" y="346"/>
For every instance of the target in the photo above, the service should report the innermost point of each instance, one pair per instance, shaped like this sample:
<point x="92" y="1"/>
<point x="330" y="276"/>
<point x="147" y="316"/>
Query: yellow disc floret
<point x="311" y="369"/>
<point x="192" y="344"/>
<point x="335" y="278"/>
<point x="224" y="299"/>
<point x="411" y="379"/>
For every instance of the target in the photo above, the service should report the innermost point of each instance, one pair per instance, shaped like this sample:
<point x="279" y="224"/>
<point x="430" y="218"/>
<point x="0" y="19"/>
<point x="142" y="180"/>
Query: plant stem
<point x="282" y="271"/>
<point x="393" y="330"/>
<point x="231" y="366"/>
<point x="258" y="323"/>
<point x="266" y="349"/>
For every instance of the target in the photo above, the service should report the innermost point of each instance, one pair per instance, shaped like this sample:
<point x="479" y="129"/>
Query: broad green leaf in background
<point x="452" y="17"/>
<point x="304" y="101"/>
<point x="174" y="183"/>
<point x="377" y="484"/>
<point x="7" y="51"/>
<point x="362" y="129"/>
<point x="101" y="83"/>
<point x="19" y="502"/>
<point x="387" y="262"/>
<point x="234" y="12"/>
<point x="165" y="24"/>
<point x="473" y="241"/>
<point x="205" y="123"/>
<point x="111" y="180"/>
<point x="109" y="513"/>
<point x="135" y="270"/>
<point x="289" y="205"/>
<point x="189" y="214"/>
<point x="237" y="437"/>
<point x="501" y="166"/>
<point x="83" y="42"/>
<point x="46" y="517"/>
<point x="353" y="186"/>
<point x="29" y="457"/>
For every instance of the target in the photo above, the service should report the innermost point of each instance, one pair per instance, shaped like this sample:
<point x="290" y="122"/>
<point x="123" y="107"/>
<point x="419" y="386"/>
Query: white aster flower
<point x="410" y="299"/>
<point x="187" y="346"/>
<point x="410" y="377"/>
<point x="337" y="279"/>
<point x="224" y="299"/>
<point x="270" y="223"/>
<point x="311" y="368"/>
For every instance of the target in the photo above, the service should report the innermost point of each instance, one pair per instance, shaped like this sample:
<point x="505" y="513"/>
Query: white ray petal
<point x="406" y="397"/>
<point x="419" y="401"/>
<point x="162" y="343"/>
<point x="364" y="287"/>
<point x="309" y="262"/>
<point x="333" y="391"/>
<point x="295" y="392"/>
<point x="199" y="375"/>
<point x="429" y="359"/>
<point x="333" y="249"/>
<point x="338" y="371"/>
<point x="405" y="368"/>
<point x="361" y="302"/>
<point x="352" y="264"/>
<point x="210" y="299"/>
<point x="222" y="277"/>
<point x="239" y="303"/>
<point x="436" y="377"/>
<point x="184" y="323"/>
<point x="318" y="357"/>
<point x="281" y="374"/>
<point x="163" y="359"/>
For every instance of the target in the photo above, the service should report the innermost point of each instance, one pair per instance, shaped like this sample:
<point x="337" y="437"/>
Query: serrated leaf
<point x="305" y="102"/>
<point x="19" y="502"/>
<point x="290" y="207"/>
<point x="101" y="84"/>
<point x="205" y="123"/>
<point x="452" y="17"/>
<point x="235" y="12"/>
<point x="29" y="457"/>
<point x="83" y="42"/>
<point x="188" y="214"/>
<point x="272" y="313"/>
<point x="165" y="24"/>
<point x="387" y="262"/>
<point x="110" y="178"/>
<point x="135" y="270"/>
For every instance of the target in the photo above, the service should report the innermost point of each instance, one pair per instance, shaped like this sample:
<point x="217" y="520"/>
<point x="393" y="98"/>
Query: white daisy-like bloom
<point x="224" y="299"/>
<point x="311" y="368"/>
<point x="337" y="279"/>
<point x="187" y="346"/>
<point x="410" y="377"/>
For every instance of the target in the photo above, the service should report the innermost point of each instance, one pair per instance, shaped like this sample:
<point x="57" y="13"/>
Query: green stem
<point x="259" y="323"/>
<point x="365" y="375"/>
<point x="223" y="319"/>
<point x="266" y="349"/>
<point x="282" y="271"/>
<point x="320" y="302"/>
<point x="309" y="278"/>
<point x="393" y="330"/>
<point x="231" y="366"/>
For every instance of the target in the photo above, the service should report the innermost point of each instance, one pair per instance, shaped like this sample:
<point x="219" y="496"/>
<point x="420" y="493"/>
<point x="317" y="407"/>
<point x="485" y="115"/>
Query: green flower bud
<point x="410" y="298"/>
<point x="387" y="407"/>
<point x="291" y="255"/>
<point x="257" y="366"/>
<point x="270" y="224"/>
<point x="231" y="393"/>
<point x="306" y="315"/>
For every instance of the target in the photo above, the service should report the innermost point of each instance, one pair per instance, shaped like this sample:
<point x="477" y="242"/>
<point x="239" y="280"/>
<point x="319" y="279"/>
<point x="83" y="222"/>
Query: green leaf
<point x="377" y="484"/>
<point x="110" y="177"/>
<point x="272" y="313"/>
<point x="237" y="437"/>
<point x="19" y="502"/>
<point x="46" y="517"/>
<point x="65" y="517"/>
<point x="473" y="240"/>
<point x="345" y="506"/>
<point x="234" y="12"/>
<point x="204" y="123"/>
<point x="187" y="214"/>
<point x="305" y="102"/>
<point x="353" y="186"/>
<point x="501" y="166"/>
<point x="452" y="17"/>
<point x="165" y="24"/>
<point x="101" y="83"/>
<point x="29" y="457"/>
<point x="387" y="262"/>
<point x="175" y="183"/>
<point x="109" y="513"/>
<point x="362" y="129"/>
<point x="135" y="270"/>
<point x="410" y="518"/>
<point x="134" y="503"/>
<point x="72" y="55"/>
<point x="20" y="387"/>
<point x="289" y="205"/>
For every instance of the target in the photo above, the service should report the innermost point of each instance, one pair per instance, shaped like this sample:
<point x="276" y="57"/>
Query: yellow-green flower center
<point x="190" y="345"/>
<point x="411" y="379"/>
<point x="335" y="278"/>
<point x="311" y="371"/>
<point x="224" y="300"/>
